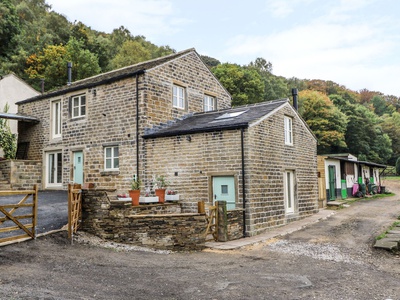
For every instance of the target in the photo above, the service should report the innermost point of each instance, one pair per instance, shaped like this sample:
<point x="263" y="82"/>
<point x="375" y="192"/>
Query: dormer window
<point x="178" y="98"/>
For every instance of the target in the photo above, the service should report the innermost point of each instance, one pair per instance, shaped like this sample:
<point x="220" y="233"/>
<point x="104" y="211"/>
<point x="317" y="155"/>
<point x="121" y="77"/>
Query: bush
<point x="398" y="166"/>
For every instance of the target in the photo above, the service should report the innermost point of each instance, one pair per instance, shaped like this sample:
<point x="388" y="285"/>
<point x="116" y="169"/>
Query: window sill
<point x="109" y="173"/>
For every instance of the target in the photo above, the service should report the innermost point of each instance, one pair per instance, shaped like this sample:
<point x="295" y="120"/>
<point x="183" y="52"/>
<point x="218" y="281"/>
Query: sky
<point x="355" y="43"/>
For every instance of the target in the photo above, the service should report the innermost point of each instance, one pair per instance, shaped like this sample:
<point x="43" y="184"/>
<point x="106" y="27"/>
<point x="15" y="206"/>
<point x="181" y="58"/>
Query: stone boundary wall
<point x="235" y="224"/>
<point x="160" y="226"/>
<point x="22" y="174"/>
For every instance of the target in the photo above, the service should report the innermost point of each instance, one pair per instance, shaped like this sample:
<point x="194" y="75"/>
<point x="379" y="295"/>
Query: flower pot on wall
<point x="160" y="193"/>
<point x="134" y="194"/>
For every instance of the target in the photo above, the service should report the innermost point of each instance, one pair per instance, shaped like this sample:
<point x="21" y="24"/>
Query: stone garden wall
<point x="20" y="174"/>
<point x="160" y="226"/>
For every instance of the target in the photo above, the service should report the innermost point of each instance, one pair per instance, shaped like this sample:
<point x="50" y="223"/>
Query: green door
<point x="78" y="167"/>
<point x="224" y="190"/>
<point x="332" y="183"/>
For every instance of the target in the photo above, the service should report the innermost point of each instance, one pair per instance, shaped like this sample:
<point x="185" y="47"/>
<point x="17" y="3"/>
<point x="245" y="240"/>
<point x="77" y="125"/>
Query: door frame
<point x="211" y="175"/>
<point x="47" y="184"/>
<point x="332" y="194"/>
<point x="293" y="193"/>
<point x="73" y="165"/>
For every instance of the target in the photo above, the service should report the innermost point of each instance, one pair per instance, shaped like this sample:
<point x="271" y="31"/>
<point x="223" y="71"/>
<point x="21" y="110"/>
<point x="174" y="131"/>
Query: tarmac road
<point x="52" y="209"/>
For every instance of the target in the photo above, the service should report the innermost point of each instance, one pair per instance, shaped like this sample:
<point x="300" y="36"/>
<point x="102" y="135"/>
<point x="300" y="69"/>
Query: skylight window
<point x="230" y="115"/>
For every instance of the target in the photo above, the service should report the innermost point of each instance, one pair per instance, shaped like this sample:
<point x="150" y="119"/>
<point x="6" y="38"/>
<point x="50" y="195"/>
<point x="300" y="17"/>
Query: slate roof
<point x="233" y="118"/>
<point x="111" y="76"/>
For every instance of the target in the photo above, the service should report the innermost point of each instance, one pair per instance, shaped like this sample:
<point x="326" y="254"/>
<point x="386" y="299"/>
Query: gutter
<point x="195" y="130"/>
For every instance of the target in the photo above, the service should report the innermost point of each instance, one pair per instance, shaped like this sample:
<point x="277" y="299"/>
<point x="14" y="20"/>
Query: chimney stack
<point x="295" y="102"/>
<point x="69" y="66"/>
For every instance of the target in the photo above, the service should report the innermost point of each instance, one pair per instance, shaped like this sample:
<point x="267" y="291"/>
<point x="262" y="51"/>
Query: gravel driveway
<point x="331" y="259"/>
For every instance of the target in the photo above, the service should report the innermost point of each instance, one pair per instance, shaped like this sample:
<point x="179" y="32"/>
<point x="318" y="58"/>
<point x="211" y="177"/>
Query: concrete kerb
<point x="272" y="233"/>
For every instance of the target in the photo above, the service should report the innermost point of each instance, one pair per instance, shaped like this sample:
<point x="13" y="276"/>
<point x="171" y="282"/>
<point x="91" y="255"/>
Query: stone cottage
<point x="170" y="116"/>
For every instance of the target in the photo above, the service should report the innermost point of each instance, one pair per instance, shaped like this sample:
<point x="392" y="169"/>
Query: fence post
<point x="201" y="208"/>
<point x="35" y="205"/>
<point x="222" y="230"/>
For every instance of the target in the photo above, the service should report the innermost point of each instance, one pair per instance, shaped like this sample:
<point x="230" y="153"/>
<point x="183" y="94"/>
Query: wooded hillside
<point x="36" y="43"/>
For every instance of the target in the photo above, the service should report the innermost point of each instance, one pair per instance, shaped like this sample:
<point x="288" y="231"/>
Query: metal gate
<point x="18" y="218"/>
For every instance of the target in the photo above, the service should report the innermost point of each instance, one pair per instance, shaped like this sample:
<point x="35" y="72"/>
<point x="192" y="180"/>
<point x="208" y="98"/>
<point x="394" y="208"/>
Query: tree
<point x="131" y="52"/>
<point x="326" y="121"/>
<point x="51" y="64"/>
<point x="210" y="61"/>
<point x="391" y="126"/>
<point x="244" y="84"/>
<point x="9" y="28"/>
<point x="8" y="141"/>
<point x="398" y="166"/>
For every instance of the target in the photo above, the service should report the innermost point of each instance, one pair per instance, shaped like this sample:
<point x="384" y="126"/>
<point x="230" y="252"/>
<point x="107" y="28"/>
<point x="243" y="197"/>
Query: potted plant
<point x="134" y="193"/>
<point x="159" y="187"/>
<point x="171" y="196"/>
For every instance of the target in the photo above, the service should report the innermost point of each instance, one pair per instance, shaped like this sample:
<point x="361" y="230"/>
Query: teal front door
<point x="332" y="183"/>
<point x="224" y="190"/>
<point x="78" y="167"/>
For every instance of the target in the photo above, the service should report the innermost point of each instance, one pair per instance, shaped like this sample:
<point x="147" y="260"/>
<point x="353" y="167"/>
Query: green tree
<point x="326" y="121"/>
<point x="9" y="28"/>
<point x="51" y="64"/>
<point x="381" y="106"/>
<point x="130" y="53"/>
<point x="391" y="126"/>
<point x="210" y="61"/>
<point x="8" y="141"/>
<point x="244" y="84"/>
<point x="398" y="166"/>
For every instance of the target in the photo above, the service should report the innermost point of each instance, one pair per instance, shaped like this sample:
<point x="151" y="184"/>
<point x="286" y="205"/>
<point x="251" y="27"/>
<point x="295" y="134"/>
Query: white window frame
<point x="81" y="108"/>
<point x="289" y="186"/>
<point x="54" y="167"/>
<point x="56" y="128"/>
<point x="178" y="96"/>
<point x="288" y="130"/>
<point x="209" y="103"/>
<point x="112" y="158"/>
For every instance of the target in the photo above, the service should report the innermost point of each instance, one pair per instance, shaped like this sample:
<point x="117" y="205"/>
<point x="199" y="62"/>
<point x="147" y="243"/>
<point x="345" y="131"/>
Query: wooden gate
<point x="13" y="220"/>
<point x="74" y="208"/>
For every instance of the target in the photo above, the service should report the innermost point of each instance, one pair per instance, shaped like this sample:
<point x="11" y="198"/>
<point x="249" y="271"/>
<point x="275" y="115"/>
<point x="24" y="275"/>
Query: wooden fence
<point x="13" y="222"/>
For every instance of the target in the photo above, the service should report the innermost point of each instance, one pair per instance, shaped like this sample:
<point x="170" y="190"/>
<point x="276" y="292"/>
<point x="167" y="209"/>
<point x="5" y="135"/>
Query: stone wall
<point x="266" y="161"/>
<point x="235" y="224"/>
<point x="22" y="174"/>
<point x="159" y="226"/>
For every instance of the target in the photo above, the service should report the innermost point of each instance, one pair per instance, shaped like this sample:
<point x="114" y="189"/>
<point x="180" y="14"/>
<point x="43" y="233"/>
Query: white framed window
<point x="289" y="186"/>
<point x="111" y="158"/>
<point x="288" y="130"/>
<point x="56" y="119"/>
<point x="209" y="103"/>
<point x="54" y="169"/>
<point x="78" y="106"/>
<point x="178" y="97"/>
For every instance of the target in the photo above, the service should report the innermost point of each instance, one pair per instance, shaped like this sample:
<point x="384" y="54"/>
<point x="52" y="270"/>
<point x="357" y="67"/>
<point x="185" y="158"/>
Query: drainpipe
<point x="243" y="183"/>
<point x="69" y="73"/>
<point x="137" y="126"/>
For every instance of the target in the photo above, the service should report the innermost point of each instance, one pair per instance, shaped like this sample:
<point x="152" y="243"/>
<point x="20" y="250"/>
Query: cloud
<point x="149" y="18"/>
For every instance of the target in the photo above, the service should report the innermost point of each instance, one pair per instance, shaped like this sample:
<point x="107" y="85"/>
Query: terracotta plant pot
<point x="161" y="195"/>
<point x="134" y="194"/>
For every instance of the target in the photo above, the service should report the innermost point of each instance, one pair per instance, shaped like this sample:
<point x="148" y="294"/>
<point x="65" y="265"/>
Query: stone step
<point x="387" y="244"/>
